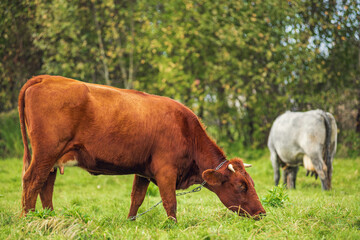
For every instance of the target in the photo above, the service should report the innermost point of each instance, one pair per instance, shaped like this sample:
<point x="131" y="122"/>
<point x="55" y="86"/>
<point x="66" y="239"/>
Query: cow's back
<point x="295" y="133"/>
<point x="117" y="128"/>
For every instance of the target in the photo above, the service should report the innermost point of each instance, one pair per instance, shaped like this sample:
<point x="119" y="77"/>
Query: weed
<point x="41" y="213"/>
<point x="75" y="212"/>
<point x="276" y="197"/>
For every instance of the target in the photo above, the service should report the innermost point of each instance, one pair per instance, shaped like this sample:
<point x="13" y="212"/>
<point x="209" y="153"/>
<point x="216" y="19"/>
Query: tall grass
<point x="96" y="207"/>
<point x="10" y="136"/>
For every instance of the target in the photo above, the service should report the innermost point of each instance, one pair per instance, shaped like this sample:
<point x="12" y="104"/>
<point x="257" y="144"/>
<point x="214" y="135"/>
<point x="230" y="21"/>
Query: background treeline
<point x="236" y="64"/>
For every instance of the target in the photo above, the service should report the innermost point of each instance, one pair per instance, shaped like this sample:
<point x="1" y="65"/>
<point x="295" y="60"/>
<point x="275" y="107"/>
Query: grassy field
<point x="95" y="207"/>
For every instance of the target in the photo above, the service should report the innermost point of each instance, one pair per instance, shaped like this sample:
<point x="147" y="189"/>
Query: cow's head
<point x="235" y="188"/>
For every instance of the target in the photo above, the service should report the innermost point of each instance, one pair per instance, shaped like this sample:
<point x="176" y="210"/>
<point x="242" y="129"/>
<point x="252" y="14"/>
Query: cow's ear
<point x="213" y="177"/>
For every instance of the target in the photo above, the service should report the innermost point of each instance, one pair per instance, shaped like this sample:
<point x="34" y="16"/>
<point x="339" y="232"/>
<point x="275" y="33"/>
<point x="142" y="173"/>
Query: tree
<point x="237" y="64"/>
<point x="20" y="58"/>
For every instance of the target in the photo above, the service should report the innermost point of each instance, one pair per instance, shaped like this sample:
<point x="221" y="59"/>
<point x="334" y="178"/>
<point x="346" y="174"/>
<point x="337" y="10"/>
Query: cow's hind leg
<point x="33" y="182"/>
<point x="46" y="192"/>
<point x="138" y="193"/>
<point x="321" y="170"/>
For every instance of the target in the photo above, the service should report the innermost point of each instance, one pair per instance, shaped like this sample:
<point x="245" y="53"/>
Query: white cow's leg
<point x="290" y="176"/>
<point x="321" y="170"/>
<point x="275" y="165"/>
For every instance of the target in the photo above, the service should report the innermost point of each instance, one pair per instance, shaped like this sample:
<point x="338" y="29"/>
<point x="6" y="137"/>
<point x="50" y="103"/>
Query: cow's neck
<point x="209" y="155"/>
<point x="205" y="155"/>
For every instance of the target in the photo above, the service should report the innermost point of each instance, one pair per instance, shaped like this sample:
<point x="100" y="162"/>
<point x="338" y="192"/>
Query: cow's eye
<point x="241" y="188"/>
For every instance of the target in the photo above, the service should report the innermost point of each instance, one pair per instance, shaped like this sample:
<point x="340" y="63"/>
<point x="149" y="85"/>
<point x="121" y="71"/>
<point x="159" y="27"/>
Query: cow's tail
<point x="327" y="150"/>
<point x="21" y="107"/>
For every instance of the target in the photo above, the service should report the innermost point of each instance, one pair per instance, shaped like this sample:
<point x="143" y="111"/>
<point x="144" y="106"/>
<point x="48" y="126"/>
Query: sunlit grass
<point x="97" y="206"/>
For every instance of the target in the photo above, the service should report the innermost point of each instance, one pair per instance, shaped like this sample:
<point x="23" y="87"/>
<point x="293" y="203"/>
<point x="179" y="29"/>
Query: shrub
<point x="349" y="146"/>
<point x="10" y="136"/>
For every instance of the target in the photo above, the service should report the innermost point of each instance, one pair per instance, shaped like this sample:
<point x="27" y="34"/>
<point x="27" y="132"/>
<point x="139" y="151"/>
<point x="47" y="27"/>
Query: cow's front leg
<point x="139" y="188"/>
<point x="166" y="181"/>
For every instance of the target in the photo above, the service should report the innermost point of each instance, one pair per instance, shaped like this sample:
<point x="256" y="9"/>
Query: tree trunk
<point x="129" y="83"/>
<point x="101" y="46"/>
<point x="358" y="80"/>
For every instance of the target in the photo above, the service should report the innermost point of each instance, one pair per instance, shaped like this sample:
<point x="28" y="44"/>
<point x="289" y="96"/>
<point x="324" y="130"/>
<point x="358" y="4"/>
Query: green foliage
<point x="152" y="190"/>
<point x="76" y="212"/>
<point x="236" y="64"/>
<point x="350" y="145"/>
<point x="10" y="135"/>
<point x="40" y="213"/>
<point x="20" y="59"/>
<point x="276" y="197"/>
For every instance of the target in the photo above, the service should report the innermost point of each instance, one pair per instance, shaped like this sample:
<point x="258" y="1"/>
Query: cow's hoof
<point x="173" y="219"/>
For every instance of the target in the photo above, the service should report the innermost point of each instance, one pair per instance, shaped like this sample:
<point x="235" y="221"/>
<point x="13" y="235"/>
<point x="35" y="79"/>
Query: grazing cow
<point x="106" y="130"/>
<point x="307" y="138"/>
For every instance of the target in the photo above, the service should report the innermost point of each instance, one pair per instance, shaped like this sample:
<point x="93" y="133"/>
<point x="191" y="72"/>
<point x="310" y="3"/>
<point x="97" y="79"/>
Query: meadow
<point x="96" y="207"/>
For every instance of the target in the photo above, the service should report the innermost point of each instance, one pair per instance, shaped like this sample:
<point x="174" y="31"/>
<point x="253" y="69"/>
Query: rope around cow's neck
<point x="197" y="189"/>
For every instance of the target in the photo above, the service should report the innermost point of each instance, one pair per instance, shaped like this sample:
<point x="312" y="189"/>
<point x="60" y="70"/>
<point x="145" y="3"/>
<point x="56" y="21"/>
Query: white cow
<point x="307" y="138"/>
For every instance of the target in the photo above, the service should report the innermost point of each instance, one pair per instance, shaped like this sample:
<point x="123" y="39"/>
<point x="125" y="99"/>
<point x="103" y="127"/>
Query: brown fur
<point x="116" y="131"/>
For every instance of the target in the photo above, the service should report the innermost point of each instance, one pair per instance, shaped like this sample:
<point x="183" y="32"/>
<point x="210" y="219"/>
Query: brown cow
<point x="106" y="130"/>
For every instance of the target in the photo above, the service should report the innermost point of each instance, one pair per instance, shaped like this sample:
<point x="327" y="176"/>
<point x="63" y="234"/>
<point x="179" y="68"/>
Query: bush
<point x="349" y="147"/>
<point x="10" y="135"/>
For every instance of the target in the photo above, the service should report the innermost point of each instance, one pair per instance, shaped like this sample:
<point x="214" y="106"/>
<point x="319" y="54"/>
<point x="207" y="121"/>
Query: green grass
<point x="90" y="207"/>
